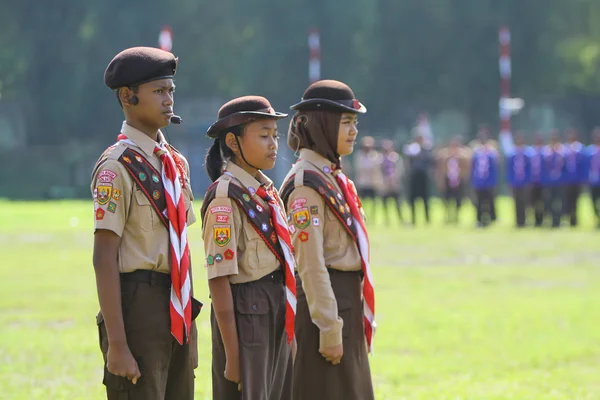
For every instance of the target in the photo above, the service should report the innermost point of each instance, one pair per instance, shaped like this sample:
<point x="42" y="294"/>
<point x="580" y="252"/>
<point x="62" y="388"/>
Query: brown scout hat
<point x="240" y="111"/>
<point x="138" y="65"/>
<point x="330" y="95"/>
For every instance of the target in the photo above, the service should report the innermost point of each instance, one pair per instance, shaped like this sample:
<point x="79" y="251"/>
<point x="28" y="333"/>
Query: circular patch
<point x="155" y="178"/>
<point x="218" y="258"/>
<point x="252" y="214"/>
<point x="246" y="197"/>
<point x="251" y="190"/>
<point x="259" y="208"/>
<point x="264" y="227"/>
<point x="326" y="170"/>
<point x="142" y="176"/>
<point x="349" y="221"/>
<point x="339" y="196"/>
<point x="138" y="158"/>
<point x="156" y="195"/>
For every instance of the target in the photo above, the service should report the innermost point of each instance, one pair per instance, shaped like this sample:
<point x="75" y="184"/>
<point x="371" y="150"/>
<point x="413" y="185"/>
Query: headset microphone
<point x="176" y="119"/>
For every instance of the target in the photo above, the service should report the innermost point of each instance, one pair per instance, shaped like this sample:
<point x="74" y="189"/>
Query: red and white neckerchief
<point x="353" y="201"/>
<point x="283" y="234"/>
<point x="181" y="305"/>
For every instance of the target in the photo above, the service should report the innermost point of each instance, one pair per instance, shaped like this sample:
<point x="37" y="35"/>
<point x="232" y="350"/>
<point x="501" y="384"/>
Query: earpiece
<point x="134" y="100"/>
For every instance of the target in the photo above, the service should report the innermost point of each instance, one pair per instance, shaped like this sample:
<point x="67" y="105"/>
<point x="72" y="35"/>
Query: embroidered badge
<point x="349" y="221"/>
<point x="95" y="193"/>
<point x="273" y="237"/>
<point x="106" y="176"/>
<point x="99" y="214"/>
<point x="220" y="209"/>
<point x="138" y="158"/>
<point x="222" y="219"/>
<point x="339" y="196"/>
<point x="155" y="178"/>
<point x="116" y="194"/>
<point x="314" y="210"/>
<point x="104" y="193"/>
<point x="264" y="227"/>
<point x="156" y="195"/>
<point x="329" y="186"/>
<point x="112" y="207"/>
<point x="127" y="159"/>
<point x="298" y="203"/>
<point x="332" y="199"/>
<point x="303" y="236"/>
<point x="251" y="190"/>
<point x="222" y="234"/>
<point x="326" y="170"/>
<point x="218" y="258"/>
<point x="142" y="176"/>
<point x="302" y="218"/>
<point x="210" y="260"/>
<point x="251" y="213"/>
<point x="228" y="254"/>
<point x="246" y="197"/>
<point x="292" y="229"/>
<point x="316" y="221"/>
<point x="259" y="208"/>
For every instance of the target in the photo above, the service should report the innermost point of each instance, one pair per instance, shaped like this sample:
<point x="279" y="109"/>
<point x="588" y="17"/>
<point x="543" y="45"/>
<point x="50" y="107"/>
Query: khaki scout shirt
<point x="320" y="242"/>
<point x="443" y="156"/>
<point x="120" y="206"/>
<point x="232" y="246"/>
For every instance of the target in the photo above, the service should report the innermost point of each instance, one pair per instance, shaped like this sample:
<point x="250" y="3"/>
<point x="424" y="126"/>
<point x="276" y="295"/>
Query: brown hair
<point x="317" y="131"/>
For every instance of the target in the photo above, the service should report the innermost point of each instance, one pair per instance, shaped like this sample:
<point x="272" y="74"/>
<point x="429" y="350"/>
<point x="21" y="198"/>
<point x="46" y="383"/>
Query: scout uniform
<point x="452" y="175"/>
<point x="242" y="243"/>
<point x="368" y="175"/>
<point x="484" y="178"/>
<point x="593" y="177"/>
<point x="129" y="200"/>
<point x="419" y="160"/>
<point x="518" y="176"/>
<point x="332" y="265"/>
<point x="392" y="168"/>
<point x="553" y="180"/>
<point x="536" y="192"/>
<point x="575" y="176"/>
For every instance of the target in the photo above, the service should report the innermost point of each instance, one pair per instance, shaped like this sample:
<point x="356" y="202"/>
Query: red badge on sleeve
<point x="99" y="214"/>
<point x="228" y="254"/>
<point x="303" y="236"/>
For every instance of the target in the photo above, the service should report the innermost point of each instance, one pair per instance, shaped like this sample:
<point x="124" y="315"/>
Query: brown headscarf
<point x="317" y="131"/>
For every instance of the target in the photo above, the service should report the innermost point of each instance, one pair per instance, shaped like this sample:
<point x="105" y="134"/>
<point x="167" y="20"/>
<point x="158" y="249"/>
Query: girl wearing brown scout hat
<point x="249" y="256"/>
<point x="335" y="318"/>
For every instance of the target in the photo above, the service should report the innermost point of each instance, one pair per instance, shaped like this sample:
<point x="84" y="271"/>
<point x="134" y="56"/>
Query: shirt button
<point x="254" y="307"/>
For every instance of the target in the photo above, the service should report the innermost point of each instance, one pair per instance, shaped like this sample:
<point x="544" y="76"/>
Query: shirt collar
<point x="250" y="182"/>
<point x="141" y="139"/>
<point x="317" y="160"/>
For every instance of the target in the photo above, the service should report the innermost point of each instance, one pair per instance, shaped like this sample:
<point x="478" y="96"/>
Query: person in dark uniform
<point x="419" y="160"/>
<point x="574" y="175"/>
<point x="536" y="190"/>
<point x="336" y="305"/>
<point x="553" y="177"/>
<point x="518" y="172"/>
<point x="484" y="178"/>
<point x="593" y="172"/>
<point x="142" y="205"/>
<point x="249" y="256"/>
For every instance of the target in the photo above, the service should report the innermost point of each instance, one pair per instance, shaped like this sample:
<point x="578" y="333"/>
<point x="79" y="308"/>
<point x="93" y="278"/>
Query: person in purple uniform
<point x="518" y="173"/>
<point x="553" y="178"/>
<point x="484" y="178"/>
<point x="592" y="153"/>
<point x="574" y="175"/>
<point x="536" y="192"/>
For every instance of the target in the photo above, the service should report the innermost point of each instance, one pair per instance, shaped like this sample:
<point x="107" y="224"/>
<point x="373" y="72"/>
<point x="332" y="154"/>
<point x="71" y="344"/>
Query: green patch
<point x="112" y="207"/>
<point x="210" y="260"/>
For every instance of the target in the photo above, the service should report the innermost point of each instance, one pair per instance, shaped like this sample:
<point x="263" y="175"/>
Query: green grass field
<point x="462" y="313"/>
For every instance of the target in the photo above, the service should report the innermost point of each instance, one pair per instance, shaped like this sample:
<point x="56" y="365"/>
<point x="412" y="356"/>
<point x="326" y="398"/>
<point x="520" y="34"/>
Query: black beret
<point x="240" y="111"/>
<point x="139" y="65"/>
<point x="330" y="95"/>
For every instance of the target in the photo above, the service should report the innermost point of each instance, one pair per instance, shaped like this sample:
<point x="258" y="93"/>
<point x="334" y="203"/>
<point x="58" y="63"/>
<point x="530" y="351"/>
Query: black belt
<point x="274" y="277"/>
<point x="146" y="276"/>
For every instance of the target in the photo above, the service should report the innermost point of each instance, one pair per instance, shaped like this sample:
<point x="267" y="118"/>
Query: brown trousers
<point x="165" y="366"/>
<point x="265" y="357"/>
<point x="314" y="377"/>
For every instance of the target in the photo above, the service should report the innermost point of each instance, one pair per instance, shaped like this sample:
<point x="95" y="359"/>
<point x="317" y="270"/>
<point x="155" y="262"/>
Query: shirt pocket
<point x="254" y="255"/>
<point x="333" y="232"/>
<point x="252" y="319"/>
<point x="144" y="211"/>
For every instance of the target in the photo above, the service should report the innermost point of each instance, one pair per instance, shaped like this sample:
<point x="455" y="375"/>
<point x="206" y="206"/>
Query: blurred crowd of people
<point x="545" y="177"/>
